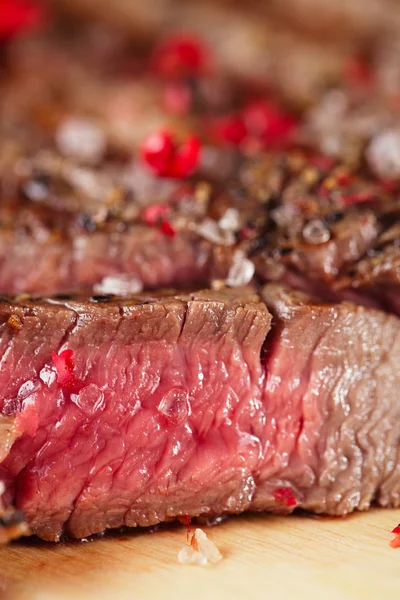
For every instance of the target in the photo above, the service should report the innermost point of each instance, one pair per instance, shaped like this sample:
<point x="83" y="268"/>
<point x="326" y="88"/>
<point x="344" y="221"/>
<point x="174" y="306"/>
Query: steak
<point x="288" y="217"/>
<point x="143" y="410"/>
<point x="79" y="212"/>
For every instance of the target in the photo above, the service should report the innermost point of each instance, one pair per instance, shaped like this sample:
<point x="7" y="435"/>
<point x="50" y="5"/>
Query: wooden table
<point x="264" y="557"/>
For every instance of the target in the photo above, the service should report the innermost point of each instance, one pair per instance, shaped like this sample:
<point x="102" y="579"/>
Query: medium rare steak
<point x="133" y="412"/>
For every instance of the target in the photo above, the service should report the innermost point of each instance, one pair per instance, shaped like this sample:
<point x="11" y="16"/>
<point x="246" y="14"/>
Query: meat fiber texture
<point x="191" y="404"/>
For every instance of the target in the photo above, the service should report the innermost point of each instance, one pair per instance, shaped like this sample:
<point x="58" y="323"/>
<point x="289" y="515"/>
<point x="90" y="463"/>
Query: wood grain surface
<point x="264" y="556"/>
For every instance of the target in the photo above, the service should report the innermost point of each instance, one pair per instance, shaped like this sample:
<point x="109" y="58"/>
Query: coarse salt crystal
<point x="120" y="285"/>
<point x="189" y="556"/>
<point x="89" y="399"/>
<point x="81" y="139"/>
<point x="210" y="230"/>
<point x="201" y="551"/>
<point x="230" y="220"/>
<point x="175" y="405"/>
<point x="315" y="232"/>
<point x="241" y="271"/>
<point x="383" y="154"/>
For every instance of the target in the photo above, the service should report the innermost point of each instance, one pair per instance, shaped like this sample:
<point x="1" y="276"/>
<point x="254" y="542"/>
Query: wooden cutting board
<point x="264" y="557"/>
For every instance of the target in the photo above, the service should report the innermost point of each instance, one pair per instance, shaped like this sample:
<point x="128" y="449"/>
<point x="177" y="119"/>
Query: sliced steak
<point x="170" y="405"/>
<point x="331" y="371"/>
<point x="157" y="422"/>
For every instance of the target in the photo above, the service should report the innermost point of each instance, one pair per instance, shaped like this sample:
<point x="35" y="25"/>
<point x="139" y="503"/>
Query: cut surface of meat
<point x="170" y="404"/>
<point x="152" y="427"/>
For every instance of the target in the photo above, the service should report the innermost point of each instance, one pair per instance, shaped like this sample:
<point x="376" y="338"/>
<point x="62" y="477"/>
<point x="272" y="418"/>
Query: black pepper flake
<point x="286" y="250"/>
<point x="259" y="243"/>
<point x="37" y="188"/>
<point x="86" y="222"/>
<point x="63" y="297"/>
<point x="333" y="217"/>
<point x="103" y="298"/>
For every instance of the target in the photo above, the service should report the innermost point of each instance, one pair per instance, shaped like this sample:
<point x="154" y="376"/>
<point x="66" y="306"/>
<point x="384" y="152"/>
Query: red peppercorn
<point x="324" y="163"/>
<point x="358" y="198"/>
<point x="186" y="158"/>
<point x="395" y="542"/>
<point x="230" y="129"/>
<point x="358" y="72"/>
<point x="158" y="152"/>
<point x="286" y="496"/>
<point x="19" y="15"/>
<point x="177" y="98"/>
<point x="247" y="233"/>
<point x="396" y="529"/>
<point x="167" y="159"/>
<point x="65" y="364"/>
<point x="153" y="214"/>
<point x="343" y="178"/>
<point x="167" y="229"/>
<point x="265" y="121"/>
<point x="180" y="56"/>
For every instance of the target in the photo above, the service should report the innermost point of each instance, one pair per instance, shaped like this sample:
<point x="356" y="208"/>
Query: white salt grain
<point x="82" y="139"/>
<point x="211" y="231"/>
<point x="120" y="285"/>
<point x="241" y="271"/>
<point x="230" y="220"/>
<point x="383" y="154"/>
<point x="201" y="551"/>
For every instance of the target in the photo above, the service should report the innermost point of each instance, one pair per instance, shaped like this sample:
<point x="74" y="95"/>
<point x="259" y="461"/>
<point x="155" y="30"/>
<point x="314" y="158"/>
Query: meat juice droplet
<point x="90" y="399"/>
<point x="175" y="405"/>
